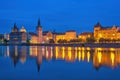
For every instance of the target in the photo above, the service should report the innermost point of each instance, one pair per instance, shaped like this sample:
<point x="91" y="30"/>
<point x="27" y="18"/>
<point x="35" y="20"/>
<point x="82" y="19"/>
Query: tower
<point x="15" y="28"/>
<point x="39" y="32"/>
<point x="97" y="29"/>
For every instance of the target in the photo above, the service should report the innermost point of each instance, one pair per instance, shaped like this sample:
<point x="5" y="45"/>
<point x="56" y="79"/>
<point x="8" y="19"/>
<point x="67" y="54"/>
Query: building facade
<point x="111" y="33"/>
<point x="83" y="36"/>
<point x="17" y="36"/>
<point x="68" y="35"/>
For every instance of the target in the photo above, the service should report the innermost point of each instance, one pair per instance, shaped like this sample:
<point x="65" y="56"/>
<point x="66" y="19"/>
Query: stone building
<point x="106" y="32"/>
<point x="17" y="36"/>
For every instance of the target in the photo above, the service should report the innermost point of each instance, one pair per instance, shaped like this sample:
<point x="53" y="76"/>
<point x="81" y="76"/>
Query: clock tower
<point x="39" y="32"/>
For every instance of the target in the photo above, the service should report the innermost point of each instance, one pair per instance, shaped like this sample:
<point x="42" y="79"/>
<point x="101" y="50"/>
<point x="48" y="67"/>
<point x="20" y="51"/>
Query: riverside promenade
<point x="91" y="45"/>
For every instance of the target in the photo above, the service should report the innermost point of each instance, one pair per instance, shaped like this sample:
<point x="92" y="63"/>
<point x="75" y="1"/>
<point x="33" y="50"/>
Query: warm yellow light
<point x="56" y="53"/>
<point x="112" y="58"/>
<point x="83" y="53"/>
<point x="79" y="56"/>
<point x="88" y="48"/>
<point x="75" y="52"/>
<point x="100" y="35"/>
<point x="47" y="53"/>
<point x="113" y="34"/>
<point x="51" y="52"/>
<point x="69" y="53"/>
<point x="99" y="49"/>
<point x="47" y="38"/>
<point x="112" y="49"/>
<point x="63" y="52"/>
<point x="79" y="48"/>
<point x="99" y="57"/>
<point x="88" y="56"/>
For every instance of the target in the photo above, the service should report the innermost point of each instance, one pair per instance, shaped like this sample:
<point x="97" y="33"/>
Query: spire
<point x="15" y="26"/>
<point x="39" y="22"/>
<point x="15" y="29"/>
<point x="98" y="24"/>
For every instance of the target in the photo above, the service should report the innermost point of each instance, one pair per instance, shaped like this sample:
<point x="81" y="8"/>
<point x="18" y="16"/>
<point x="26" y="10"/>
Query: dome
<point x="23" y="29"/>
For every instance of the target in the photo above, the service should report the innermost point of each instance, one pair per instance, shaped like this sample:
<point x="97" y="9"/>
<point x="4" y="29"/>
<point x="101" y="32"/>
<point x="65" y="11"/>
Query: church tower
<point x="39" y="32"/>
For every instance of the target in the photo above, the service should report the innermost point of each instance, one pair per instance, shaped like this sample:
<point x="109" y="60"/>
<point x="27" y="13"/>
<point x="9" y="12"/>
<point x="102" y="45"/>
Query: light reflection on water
<point x="98" y="57"/>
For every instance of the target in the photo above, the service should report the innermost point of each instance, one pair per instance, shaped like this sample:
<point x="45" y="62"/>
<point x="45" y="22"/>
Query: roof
<point x="86" y="33"/>
<point x="32" y="34"/>
<point x="45" y="32"/>
<point x="71" y="31"/>
<point x="97" y="25"/>
<point x="60" y="33"/>
<point x="16" y="33"/>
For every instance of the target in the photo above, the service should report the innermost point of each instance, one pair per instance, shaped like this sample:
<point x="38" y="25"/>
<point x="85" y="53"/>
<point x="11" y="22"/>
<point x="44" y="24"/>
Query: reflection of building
<point x="17" y="53"/>
<point x="23" y="54"/>
<point x="85" y="35"/>
<point x="36" y="51"/>
<point x="39" y="57"/>
<point x="106" y="57"/>
<point x="14" y="54"/>
<point x="17" y="36"/>
<point x="106" y="32"/>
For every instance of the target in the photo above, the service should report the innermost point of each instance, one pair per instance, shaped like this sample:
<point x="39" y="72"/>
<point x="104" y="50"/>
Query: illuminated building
<point x="33" y="37"/>
<point x="85" y="35"/>
<point x="47" y="35"/>
<point x="17" y="36"/>
<point x="39" y="32"/>
<point x="111" y="33"/>
<point x="36" y="37"/>
<point x="6" y="36"/>
<point x="60" y="36"/>
<point x="68" y="35"/>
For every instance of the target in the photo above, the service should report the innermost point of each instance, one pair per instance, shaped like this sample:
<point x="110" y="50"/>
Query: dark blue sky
<point x="61" y="15"/>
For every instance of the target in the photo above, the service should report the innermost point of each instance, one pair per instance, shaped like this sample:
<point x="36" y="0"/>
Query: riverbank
<point x="92" y="45"/>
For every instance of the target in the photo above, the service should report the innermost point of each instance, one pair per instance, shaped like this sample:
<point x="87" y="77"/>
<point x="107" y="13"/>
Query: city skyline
<point x="78" y="15"/>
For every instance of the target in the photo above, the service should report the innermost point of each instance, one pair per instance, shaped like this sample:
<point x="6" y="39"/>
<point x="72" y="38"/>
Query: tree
<point x="75" y="40"/>
<point x="51" y="41"/>
<point x="101" y="40"/>
<point x="90" y="40"/>
<point x="28" y="40"/>
<point x="6" y="41"/>
<point x="62" y="41"/>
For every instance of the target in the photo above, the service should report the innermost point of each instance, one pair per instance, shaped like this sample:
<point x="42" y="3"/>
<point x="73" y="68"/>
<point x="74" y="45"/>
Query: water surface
<point x="59" y="63"/>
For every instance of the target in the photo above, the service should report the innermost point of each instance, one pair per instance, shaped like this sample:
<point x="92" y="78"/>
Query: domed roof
<point x="22" y="29"/>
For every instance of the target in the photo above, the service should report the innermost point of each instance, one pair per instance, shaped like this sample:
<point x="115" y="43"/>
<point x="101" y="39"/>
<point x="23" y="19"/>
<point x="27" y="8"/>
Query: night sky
<point x="59" y="15"/>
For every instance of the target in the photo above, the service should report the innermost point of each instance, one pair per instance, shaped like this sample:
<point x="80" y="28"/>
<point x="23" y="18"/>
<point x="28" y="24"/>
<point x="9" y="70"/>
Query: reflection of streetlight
<point x="79" y="56"/>
<point x="112" y="58"/>
<point x="88" y="56"/>
<point x="56" y="52"/>
<point x="69" y="53"/>
<point x="99" y="57"/>
<point x="47" y="39"/>
<point x="63" y="52"/>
